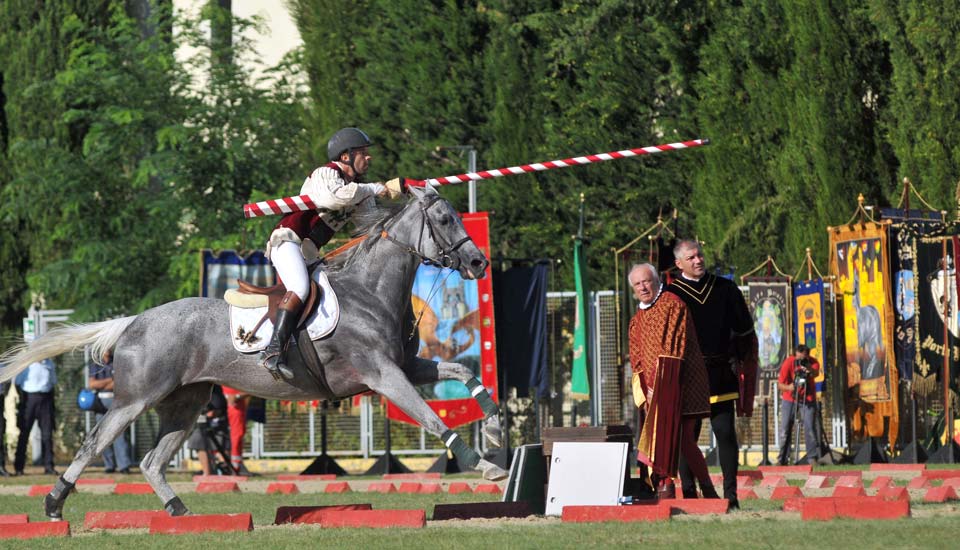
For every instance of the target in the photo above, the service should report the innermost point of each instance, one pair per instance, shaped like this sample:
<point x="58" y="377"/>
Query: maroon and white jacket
<point x="337" y="201"/>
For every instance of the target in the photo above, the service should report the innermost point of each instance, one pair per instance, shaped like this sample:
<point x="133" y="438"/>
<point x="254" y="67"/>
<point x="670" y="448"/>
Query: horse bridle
<point x="447" y="249"/>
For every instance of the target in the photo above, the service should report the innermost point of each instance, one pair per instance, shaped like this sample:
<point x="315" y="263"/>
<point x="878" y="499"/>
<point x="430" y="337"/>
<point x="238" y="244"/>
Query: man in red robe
<point x="669" y="382"/>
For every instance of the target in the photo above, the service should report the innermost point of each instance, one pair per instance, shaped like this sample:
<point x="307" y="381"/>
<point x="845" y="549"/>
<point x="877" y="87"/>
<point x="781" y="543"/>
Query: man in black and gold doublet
<point x="727" y="340"/>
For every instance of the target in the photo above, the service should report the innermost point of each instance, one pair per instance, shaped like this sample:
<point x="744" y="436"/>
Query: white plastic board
<point x="584" y="474"/>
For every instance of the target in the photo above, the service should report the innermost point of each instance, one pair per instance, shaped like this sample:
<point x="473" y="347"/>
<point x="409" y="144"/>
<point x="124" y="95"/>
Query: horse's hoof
<point x="491" y="472"/>
<point x="492" y="431"/>
<point x="52" y="508"/>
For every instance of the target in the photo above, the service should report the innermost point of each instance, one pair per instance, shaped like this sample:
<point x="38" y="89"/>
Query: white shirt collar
<point x="684" y="275"/>
<point x="642" y="305"/>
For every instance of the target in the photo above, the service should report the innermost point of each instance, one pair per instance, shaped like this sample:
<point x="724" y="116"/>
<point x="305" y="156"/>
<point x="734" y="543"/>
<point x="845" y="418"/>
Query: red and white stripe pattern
<point x="303" y="202"/>
<point x="564" y="163"/>
<point x="278" y="206"/>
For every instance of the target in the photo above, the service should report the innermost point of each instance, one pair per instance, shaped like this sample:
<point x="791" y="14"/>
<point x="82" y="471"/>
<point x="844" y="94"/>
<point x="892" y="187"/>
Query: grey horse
<point x="170" y="356"/>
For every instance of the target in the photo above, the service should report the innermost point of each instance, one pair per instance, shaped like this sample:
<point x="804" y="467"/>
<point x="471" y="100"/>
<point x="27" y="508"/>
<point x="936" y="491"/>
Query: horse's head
<point x="442" y="237"/>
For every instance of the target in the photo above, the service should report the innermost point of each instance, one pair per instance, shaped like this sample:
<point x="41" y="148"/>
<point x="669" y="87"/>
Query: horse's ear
<point x="420" y="192"/>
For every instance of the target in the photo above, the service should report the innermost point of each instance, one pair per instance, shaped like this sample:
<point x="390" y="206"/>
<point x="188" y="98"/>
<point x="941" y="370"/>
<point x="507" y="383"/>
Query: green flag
<point x="580" y="378"/>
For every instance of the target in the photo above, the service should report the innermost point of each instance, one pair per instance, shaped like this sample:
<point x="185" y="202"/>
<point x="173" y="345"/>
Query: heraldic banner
<point x="859" y="259"/>
<point x="934" y="284"/>
<point x="808" y="323"/>
<point x="219" y="271"/>
<point x="770" y="307"/>
<point x="456" y="325"/>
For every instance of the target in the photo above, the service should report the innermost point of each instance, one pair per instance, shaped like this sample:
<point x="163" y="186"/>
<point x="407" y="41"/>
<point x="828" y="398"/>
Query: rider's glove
<point x="396" y="187"/>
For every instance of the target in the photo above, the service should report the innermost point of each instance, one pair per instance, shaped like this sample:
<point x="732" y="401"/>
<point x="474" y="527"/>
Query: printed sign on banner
<point x="770" y="307"/>
<point x="808" y="323"/>
<point x="456" y="325"/>
<point x="220" y="271"/>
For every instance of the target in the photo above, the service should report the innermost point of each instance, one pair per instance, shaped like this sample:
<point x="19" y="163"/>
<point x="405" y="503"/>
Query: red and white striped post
<point x="303" y="202"/>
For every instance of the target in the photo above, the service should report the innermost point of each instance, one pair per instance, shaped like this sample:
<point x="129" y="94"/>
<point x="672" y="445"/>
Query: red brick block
<point x="841" y="492"/>
<point x="10" y="519"/>
<point x="894" y="493"/>
<point x="952" y="482"/>
<point x="430" y="488"/>
<point x="881" y="481"/>
<point x="381" y="487"/>
<point x="919" y="482"/>
<point x="413" y="476"/>
<point x="306" y="477"/>
<point x="459" y="487"/>
<point x="95" y="481"/>
<point x="282" y="488"/>
<point x="816" y="482"/>
<point x="219" y="523"/>
<point x="783" y="493"/>
<point x="487" y="488"/>
<point x="746" y="494"/>
<point x="818" y="509"/>
<point x="218" y="479"/>
<point x="941" y="474"/>
<point x="217" y="487"/>
<point x="39" y="490"/>
<point x="742" y="481"/>
<point x="409" y="487"/>
<point x="376" y="518"/>
<point x="780" y="470"/>
<point x="697" y="506"/>
<point x="132" y="489"/>
<point x="755" y="474"/>
<point x="591" y="514"/>
<point x="35" y="530"/>
<point x="872" y="508"/>
<point x="940" y="494"/>
<point x="891" y="467"/>
<point x="128" y="519"/>
<point x="717" y="479"/>
<point x="312" y="514"/>
<point x="793" y="504"/>
<point x="774" y="481"/>
<point x="849" y="481"/>
<point x="338" y="487"/>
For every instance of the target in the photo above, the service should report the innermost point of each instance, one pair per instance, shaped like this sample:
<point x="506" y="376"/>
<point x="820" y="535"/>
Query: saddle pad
<point x="321" y="322"/>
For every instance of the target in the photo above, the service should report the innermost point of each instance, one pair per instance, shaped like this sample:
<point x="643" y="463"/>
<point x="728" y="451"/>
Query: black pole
<point x="765" y="432"/>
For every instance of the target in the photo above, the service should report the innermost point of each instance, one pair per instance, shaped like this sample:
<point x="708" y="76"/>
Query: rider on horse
<point x="299" y="235"/>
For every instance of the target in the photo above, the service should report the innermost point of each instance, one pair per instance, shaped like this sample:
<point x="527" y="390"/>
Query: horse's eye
<point x="445" y="219"/>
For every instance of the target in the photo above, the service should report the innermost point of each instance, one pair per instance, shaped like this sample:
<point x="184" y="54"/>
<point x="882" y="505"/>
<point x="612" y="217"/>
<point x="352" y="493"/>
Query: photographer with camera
<point x="796" y="382"/>
<point x="211" y="436"/>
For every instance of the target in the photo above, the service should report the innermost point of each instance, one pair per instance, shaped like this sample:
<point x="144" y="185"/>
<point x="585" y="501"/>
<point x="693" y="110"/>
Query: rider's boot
<point x="273" y="357"/>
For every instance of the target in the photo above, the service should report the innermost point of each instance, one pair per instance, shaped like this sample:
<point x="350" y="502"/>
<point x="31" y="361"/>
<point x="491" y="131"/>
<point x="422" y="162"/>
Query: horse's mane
<point x="368" y="222"/>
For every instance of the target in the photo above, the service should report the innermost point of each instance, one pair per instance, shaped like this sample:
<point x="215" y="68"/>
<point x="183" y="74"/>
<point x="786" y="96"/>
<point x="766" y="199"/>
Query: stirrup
<point x="267" y="361"/>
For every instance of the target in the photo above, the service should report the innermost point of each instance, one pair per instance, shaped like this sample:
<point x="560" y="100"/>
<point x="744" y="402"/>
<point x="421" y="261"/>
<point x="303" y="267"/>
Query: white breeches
<point x="288" y="260"/>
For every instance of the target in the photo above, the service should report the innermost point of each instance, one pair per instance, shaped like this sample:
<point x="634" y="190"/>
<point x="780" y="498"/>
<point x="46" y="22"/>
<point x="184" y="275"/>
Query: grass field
<point x="759" y="524"/>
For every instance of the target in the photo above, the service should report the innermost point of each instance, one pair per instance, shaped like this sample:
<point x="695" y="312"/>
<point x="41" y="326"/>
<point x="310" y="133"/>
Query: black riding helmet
<point x="346" y="140"/>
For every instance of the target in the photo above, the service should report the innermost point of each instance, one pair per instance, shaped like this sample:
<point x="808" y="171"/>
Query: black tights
<point x="723" y="418"/>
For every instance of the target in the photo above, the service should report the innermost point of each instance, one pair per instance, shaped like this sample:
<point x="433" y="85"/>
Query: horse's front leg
<point x="392" y="382"/>
<point x="423" y="371"/>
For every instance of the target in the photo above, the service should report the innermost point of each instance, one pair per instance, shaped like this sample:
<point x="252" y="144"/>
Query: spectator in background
<point x="237" y="416"/>
<point x="36" y="384"/>
<point x="116" y="456"/>
<point x="4" y="387"/>
<point x="210" y="437"/>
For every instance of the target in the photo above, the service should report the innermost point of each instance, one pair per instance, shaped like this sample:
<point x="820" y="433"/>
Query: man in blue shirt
<point x="116" y="456"/>
<point x="36" y="385"/>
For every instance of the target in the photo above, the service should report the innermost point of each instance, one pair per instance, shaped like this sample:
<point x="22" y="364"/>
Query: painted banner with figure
<point x="456" y="325"/>
<point x="859" y="260"/>
<point x="934" y="284"/>
<point x="219" y="271"/>
<point x="771" y="308"/>
<point x="808" y="323"/>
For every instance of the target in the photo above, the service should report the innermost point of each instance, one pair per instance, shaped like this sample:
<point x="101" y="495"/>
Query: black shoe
<point x="50" y="472"/>
<point x="273" y="357"/>
<point x="4" y="472"/>
<point x="125" y="471"/>
<point x="708" y="491"/>
<point x="109" y="470"/>
<point x="18" y="473"/>
<point x="734" y="504"/>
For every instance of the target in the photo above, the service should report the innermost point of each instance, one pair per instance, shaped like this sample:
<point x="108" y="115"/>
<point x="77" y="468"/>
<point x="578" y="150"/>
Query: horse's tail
<point x="101" y="336"/>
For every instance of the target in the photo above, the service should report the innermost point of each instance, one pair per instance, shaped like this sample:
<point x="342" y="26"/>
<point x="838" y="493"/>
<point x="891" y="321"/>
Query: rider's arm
<point x="327" y="189"/>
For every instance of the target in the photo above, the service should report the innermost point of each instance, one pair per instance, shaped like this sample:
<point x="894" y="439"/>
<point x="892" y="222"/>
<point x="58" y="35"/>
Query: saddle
<point x="248" y="295"/>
